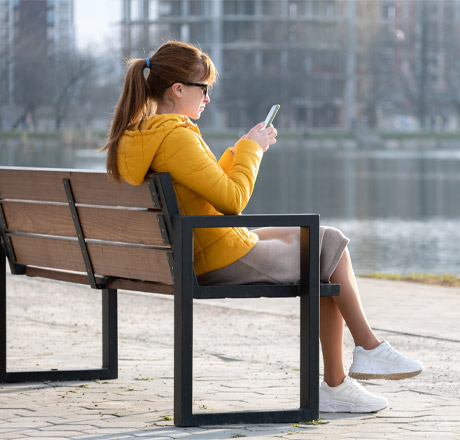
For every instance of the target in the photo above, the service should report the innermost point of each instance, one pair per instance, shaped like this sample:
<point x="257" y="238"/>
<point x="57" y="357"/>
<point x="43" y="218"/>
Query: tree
<point x="33" y="69"/>
<point x="452" y="62"/>
<point x="418" y="52"/>
<point x="68" y="78"/>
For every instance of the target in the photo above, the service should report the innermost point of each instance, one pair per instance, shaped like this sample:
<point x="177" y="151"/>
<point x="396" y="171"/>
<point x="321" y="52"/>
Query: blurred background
<point x="369" y="125"/>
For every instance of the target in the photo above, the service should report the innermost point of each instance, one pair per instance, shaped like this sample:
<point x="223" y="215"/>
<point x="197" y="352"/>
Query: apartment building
<point x="35" y="36"/>
<point x="291" y="52"/>
<point x="330" y="63"/>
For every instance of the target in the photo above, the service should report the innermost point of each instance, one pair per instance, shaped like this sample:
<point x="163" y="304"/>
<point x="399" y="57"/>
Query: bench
<point x="77" y="226"/>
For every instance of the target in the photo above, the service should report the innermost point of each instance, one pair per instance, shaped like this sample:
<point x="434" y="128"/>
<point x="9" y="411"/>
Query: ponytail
<point x="134" y="105"/>
<point x="173" y="62"/>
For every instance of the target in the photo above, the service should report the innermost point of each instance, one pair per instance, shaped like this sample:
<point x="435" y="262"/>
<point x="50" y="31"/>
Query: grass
<point x="435" y="135"/>
<point x="315" y="422"/>
<point x="54" y="134"/>
<point x="445" y="279"/>
<point x="167" y="418"/>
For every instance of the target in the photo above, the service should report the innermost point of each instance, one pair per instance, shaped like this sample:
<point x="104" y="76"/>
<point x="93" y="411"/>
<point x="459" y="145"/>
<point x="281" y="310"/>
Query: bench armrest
<point x="249" y="220"/>
<point x="309" y="230"/>
<point x="309" y="243"/>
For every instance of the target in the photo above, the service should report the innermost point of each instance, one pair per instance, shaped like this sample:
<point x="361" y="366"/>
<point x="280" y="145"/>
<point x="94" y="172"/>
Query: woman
<point x="152" y="131"/>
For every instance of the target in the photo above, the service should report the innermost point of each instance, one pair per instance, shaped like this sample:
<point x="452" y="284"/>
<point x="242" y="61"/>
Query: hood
<point x="138" y="146"/>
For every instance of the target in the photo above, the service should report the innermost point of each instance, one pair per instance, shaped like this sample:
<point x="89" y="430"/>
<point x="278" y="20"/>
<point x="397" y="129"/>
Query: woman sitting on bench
<point x="152" y="131"/>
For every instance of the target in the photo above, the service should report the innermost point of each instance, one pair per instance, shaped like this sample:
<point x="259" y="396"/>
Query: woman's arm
<point x="191" y="164"/>
<point x="226" y="160"/>
<point x="264" y="138"/>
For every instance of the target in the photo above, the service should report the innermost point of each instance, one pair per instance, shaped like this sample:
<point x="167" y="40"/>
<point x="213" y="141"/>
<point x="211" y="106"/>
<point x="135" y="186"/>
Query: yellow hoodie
<point x="172" y="143"/>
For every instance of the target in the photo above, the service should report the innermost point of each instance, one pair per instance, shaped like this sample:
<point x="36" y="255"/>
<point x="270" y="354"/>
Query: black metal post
<point x="183" y="325"/>
<point x="79" y="232"/>
<point x="309" y="291"/>
<point x="109" y="368"/>
<point x="110" y="332"/>
<point x="309" y="318"/>
<point x="16" y="269"/>
<point x="3" y="351"/>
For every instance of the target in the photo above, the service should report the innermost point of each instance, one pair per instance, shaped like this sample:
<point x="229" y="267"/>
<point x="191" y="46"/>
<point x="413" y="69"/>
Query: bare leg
<point x="331" y="335"/>
<point x="349" y="304"/>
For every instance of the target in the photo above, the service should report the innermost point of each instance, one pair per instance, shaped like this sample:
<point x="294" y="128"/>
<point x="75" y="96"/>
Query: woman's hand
<point x="264" y="137"/>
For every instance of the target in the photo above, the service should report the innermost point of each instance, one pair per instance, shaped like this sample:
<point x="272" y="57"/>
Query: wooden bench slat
<point x="100" y="188"/>
<point x="141" y="286"/>
<point x="118" y="225"/>
<point x="62" y="254"/>
<point x="129" y="262"/>
<point x="107" y="260"/>
<point x="79" y="278"/>
<point x="93" y="188"/>
<point x="35" y="218"/>
<point x="122" y="226"/>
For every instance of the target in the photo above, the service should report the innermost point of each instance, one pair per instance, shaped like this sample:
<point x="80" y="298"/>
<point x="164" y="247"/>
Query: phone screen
<point x="271" y="115"/>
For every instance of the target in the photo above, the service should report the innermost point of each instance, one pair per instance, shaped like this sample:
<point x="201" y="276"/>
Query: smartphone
<point x="271" y="115"/>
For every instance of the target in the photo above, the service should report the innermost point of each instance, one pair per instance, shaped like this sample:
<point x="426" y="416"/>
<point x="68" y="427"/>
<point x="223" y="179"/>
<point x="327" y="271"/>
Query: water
<point x="402" y="246"/>
<point x="399" y="207"/>
<point x="360" y="184"/>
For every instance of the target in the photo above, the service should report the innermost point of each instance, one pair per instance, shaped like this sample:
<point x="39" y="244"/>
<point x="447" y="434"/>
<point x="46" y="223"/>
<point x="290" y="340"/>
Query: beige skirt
<point x="276" y="258"/>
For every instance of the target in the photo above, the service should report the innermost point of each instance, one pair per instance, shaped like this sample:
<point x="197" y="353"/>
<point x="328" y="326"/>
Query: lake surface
<point x="360" y="184"/>
<point x="399" y="207"/>
<point x="402" y="246"/>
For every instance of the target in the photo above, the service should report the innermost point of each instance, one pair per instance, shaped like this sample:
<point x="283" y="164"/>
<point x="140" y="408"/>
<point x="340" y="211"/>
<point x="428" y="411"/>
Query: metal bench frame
<point x="179" y="229"/>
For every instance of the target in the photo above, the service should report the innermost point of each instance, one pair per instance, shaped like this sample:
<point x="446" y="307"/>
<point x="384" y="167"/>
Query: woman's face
<point x="193" y="99"/>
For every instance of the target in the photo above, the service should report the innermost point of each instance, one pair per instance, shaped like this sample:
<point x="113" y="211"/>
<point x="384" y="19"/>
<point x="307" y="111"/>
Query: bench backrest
<point x="50" y="218"/>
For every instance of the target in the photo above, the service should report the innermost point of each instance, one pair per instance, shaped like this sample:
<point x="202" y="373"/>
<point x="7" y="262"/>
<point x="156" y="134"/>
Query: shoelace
<point x="390" y="353"/>
<point x="354" y="389"/>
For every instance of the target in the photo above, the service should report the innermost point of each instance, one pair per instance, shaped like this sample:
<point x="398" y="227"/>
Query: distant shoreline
<point x="447" y="280"/>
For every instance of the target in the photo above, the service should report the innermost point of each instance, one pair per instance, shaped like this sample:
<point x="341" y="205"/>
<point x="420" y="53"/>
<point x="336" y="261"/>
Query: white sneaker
<point x="350" y="397"/>
<point x="383" y="362"/>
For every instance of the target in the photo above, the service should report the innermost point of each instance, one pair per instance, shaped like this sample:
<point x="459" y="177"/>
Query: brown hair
<point x="172" y="62"/>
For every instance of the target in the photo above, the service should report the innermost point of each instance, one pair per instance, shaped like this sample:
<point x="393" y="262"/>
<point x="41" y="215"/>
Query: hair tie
<point x="147" y="60"/>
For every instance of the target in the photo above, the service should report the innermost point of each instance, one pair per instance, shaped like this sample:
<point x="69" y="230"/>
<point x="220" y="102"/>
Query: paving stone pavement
<point x="245" y="357"/>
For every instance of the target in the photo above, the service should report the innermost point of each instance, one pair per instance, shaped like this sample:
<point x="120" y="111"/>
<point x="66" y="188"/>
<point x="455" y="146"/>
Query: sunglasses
<point x="204" y="87"/>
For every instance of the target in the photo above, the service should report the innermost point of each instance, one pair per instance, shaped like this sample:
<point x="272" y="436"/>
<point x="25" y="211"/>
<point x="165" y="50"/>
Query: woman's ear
<point x="177" y="89"/>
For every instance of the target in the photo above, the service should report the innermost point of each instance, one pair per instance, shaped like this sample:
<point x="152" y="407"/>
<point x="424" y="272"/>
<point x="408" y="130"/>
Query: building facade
<point x="267" y="51"/>
<point x="36" y="37"/>
<point x="330" y="63"/>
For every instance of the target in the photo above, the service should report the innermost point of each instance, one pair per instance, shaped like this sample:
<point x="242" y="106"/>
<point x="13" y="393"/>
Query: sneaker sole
<point x="355" y="410"/>
<point x="392" y="376"/>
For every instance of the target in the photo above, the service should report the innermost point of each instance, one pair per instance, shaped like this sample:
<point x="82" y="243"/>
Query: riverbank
<point x="445" y="280"/>
<point x="18" y="148"/>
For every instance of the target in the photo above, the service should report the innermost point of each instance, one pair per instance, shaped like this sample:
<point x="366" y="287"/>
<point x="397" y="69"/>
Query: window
<point x="200" y="7"/>
<point x="201" y="32"/>
<point x="240" y="7"/>
<point x="236" y="31"/>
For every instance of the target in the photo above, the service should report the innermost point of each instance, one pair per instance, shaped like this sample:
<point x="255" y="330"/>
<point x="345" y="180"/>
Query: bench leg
<point x="109" y="368"/>
<point x="183" y="356"/>
<point x="183" y="343"/>
<point x="183" y="374"/>
<point x="309" y="325"/>
<point x="2" y="315"/>
<point x="309" y="357"/>
<point x="110" y="332"/>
